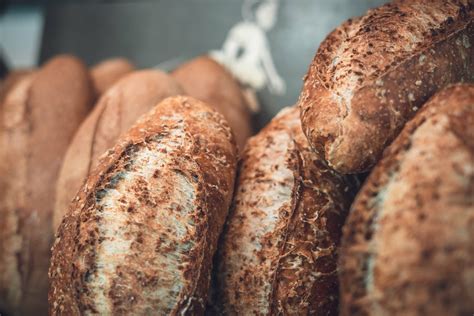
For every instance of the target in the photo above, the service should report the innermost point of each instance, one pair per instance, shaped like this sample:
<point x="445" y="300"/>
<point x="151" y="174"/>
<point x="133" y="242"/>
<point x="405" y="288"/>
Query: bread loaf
<point x="206" y="80"/>
<point x="37" y="120"/>
<point x="10" y="80"/>
<point x="140" y="235"/>
<point x="115" y="113"/>
<point x="109" y="71"/>
<point x="278" y="255"/>
<point x="408" y="244"/>
<point x="373" y="73"/>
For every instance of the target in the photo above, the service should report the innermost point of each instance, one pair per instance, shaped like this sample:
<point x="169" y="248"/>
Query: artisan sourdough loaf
<point x="372" y="74"/>
<point x="116" y="111"/>
<point x="38" y="117"/>
<point x="408" y="245"/>
<point x="279" y="249"/>
<point x="109" y="71"/>
<point x="206" y="80"/>
<point x="141" y="233"/>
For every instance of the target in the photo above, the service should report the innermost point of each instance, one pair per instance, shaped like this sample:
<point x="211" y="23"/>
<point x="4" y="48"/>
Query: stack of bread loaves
<point x="155" y="213"/>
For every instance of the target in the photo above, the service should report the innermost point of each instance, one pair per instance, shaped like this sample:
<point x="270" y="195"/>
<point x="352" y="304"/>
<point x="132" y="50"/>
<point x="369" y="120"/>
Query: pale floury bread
<point x="115" y="113"/>
<point x="372" y="74"/>
<point x="141" y="233"/>
<point x="108" y="72"/>
<point x="38" y="118"/>
<point x="206" y="80"/>
<point x="408" y="244"/>
<point x="279" y="250"/>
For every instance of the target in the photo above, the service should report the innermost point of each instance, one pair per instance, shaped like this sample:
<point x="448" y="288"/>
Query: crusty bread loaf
<point x="373" y="73"/>
<point x="109" y="71"/>
<point x="37" y="120"/>
<point x="206" y="80"/>
<point x="141" y="233"/>
<point x="117" y="110"/>
<point x="278" y="255"/>
<point x="408" y="244"/>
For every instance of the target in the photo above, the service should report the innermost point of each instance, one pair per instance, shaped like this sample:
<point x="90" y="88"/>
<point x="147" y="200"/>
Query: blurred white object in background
<point x="20" y="35"/>
<point x="246" y="52"/>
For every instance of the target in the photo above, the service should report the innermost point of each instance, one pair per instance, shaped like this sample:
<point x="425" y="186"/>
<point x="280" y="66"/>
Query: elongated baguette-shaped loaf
<point x="408" y="245"/>
<point x="206" y="80"/>
<point x="278" y="255"/>
<point x="108" y="72"/>
<point x="37" y="120"/>
<point x="373" y="73"/>
<point x="115" y="113"/>
<point x="140" y="235"/>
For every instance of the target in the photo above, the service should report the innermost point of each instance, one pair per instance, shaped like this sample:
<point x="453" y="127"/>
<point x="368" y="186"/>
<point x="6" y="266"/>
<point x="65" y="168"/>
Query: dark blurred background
<point x="164" y="33"/>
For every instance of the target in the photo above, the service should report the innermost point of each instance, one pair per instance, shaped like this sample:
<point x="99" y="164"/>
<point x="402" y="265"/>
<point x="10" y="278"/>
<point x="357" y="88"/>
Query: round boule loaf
<point x="408" y="244"/>
<point x="141" y="233"/>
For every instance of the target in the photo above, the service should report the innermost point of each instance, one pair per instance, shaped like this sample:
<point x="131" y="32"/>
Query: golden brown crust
<point x="206" y="80"/>
<point x="278" y="254"/>
<point x="108" y="72"/>
<point x="373" y="73"/>
<point x="37" y="120"/>
<point x="115" y="113"/>
<point x="141" y="233"/>
<point x="407" y="246"/>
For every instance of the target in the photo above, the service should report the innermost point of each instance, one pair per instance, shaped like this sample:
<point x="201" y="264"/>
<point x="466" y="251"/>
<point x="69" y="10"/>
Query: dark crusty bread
<point x="141" y="233"/>
<point x="109" y="71"/>
<point x="373" y="73"/>
<point x="206" y="80"/>
<point x="116" y="111"/>
<point x="37" y="120"/>
<point x="408" y="244"/>
<point x="278" y="255"/>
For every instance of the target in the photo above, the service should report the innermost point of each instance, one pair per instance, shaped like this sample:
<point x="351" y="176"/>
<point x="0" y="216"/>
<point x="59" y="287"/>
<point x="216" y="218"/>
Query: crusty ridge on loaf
<point x="142" y="231"/>
<point x="372" y="74"/>
<point x="407" y="246"/>
<point x="278" y="254"/>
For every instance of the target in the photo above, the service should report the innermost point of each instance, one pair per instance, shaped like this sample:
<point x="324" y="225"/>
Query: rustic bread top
<point x="407" y="245"/>
<point x="141" y="233"/>
<point x="205" y="79"/>
<point x="278" y="255"/>
<point x="372" y="73"/>
<point x="115" y="113"/>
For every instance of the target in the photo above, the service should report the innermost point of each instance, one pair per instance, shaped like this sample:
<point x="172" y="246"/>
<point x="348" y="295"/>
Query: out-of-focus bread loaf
<point x="141" y="233"/>
<point x="408" y="244"/>
<point x="115" y="113"/>
<point x="109" y="71"/>
<point x="206" y="80"/>
<point x="373" y="73"/>
<point x="38" y="118"/>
